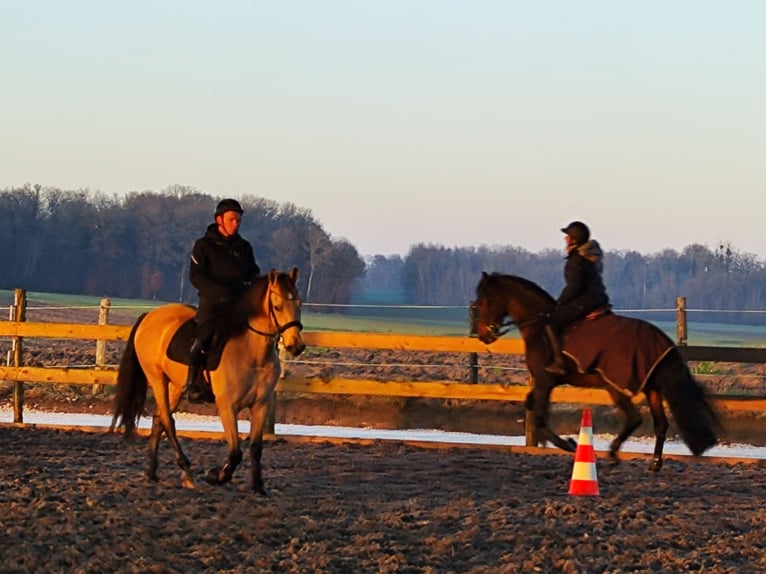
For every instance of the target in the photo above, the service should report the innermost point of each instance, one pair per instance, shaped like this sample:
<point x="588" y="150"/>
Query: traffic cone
<point x="584" y="480"/>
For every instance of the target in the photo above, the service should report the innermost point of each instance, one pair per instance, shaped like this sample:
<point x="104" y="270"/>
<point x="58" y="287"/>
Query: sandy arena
<point x="73" y="501"/>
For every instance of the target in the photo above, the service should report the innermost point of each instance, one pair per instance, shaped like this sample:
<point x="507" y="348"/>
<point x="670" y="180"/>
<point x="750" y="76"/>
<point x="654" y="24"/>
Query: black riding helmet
<point x="228" y="205"/>
<point x="578" y="231"/>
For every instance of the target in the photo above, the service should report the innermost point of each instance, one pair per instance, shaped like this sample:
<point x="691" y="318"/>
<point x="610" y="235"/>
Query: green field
<point x="395" y="317"/>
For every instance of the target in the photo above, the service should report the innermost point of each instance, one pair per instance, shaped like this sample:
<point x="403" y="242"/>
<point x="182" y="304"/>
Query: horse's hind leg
<point x="632" y="422"/>
<point x="163" y="420"/>
<point x="154" y="442"/>
<point x="660" y="427"/>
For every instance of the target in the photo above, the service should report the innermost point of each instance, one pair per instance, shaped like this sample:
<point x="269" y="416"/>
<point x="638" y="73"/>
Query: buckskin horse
<point x="247" y="372"/>
<point x="623" y="355"/>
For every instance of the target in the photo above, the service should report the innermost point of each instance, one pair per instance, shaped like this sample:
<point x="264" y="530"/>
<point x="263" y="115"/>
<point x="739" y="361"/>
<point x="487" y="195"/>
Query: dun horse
<point x="245" y="377"/>
<point x="623" y="355"/>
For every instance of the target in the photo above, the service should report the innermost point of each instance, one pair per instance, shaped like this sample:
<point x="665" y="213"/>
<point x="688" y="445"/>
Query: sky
<point x="455" y="123"/>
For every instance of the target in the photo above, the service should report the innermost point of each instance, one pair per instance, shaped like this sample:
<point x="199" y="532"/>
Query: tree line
<point x="714" y="280"/>
<point x="138" y="246"/>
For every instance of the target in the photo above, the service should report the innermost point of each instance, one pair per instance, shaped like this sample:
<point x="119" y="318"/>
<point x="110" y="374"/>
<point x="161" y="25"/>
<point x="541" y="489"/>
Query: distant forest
<point x="138" y="246"/>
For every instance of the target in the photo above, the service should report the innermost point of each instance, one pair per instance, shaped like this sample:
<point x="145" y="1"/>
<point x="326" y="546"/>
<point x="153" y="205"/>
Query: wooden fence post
<point x="530" y="436"/>
<point x="103" y="319"/>
<point x="19" y="314"/>
<point x="681" y="332"/>
<point x="473" y="358"/>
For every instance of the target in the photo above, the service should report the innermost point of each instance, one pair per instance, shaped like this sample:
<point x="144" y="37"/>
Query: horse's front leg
<point x="258" y="412"/>
<point x="223" y="474"/>
<point x="538" y="402"/>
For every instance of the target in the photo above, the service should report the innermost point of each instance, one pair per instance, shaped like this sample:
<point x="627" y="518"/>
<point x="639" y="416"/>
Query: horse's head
<point x="285" y="309"/>
<point x="275" y="299"/>
<point x="491" y="309"/>
<point x="502" y="300"/>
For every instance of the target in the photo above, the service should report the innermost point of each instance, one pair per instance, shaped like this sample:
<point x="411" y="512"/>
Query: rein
<point x="273" y="318"/>
<point x="508" y="324"/>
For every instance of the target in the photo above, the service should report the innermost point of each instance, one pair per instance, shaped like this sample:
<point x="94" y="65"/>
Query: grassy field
<point x="392" y="316"/>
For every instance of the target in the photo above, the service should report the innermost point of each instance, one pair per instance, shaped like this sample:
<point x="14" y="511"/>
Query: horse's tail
<point x="692" y="409"/>
<point x="131" y="387"/>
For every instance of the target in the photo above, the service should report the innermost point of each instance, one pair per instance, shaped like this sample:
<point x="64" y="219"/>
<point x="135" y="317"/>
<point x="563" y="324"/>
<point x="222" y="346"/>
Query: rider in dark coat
<point x="222" y="266"/>
<point x="584" y="291"/>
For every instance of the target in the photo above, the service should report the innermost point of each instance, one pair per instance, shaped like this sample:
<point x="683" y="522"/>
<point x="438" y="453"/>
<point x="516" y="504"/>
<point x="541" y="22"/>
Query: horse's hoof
<point x="188" y="482"/>
<point x="571" y="444"/>
<point x="213" y="476"/>
<point x="151" y="475"/>
<point x="655" y="465"/>
<point x="262" y="491"/>
<point x="614" y="460"/>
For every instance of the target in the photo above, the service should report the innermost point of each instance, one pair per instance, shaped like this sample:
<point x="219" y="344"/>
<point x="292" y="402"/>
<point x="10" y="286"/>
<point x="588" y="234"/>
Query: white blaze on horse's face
<point x="285" y="305"/>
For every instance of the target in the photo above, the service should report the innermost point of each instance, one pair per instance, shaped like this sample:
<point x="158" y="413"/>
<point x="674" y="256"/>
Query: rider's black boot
<point x="197" y="391"/>
<point x="557" y="367"/>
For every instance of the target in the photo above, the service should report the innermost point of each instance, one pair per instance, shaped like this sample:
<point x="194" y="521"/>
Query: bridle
<point x="497" y="330"/>
<point x="273" y="319"/>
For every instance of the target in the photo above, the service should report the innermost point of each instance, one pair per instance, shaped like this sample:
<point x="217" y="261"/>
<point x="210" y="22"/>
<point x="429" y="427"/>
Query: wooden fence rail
<point x="434" y="389"/>
<point x="99" y="375"/>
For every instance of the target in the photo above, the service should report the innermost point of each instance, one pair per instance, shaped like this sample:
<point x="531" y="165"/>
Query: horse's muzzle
<point x="487" y="337"/>
<point x="295" y="349"/>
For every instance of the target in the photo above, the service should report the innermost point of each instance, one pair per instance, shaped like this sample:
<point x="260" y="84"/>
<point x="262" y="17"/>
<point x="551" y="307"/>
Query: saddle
<point x="181" y="342"/>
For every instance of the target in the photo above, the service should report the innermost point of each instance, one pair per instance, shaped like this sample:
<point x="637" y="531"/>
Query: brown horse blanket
<point x="623" y="350"/>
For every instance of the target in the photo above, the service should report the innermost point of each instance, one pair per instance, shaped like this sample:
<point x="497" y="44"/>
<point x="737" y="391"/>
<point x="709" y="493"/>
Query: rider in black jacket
<point x="584" y="291"/>
<point x="222" y="266"/>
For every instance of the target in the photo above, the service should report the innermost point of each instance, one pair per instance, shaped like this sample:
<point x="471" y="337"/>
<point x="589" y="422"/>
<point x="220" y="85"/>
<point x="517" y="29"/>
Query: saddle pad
<point x="181" y="343"/>
<point x="625" y="351"/>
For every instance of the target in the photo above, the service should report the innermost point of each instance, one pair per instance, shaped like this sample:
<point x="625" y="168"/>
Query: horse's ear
<point x="483" y="274"/>
<point x="294" y="274"/>
<point x="272" y="275"/>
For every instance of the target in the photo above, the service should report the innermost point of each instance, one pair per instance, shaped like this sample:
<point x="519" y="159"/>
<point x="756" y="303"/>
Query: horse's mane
<point x="527" y="285"/>
<point x="248" y="303"/>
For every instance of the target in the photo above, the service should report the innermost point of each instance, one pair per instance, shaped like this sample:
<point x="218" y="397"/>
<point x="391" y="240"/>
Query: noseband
<point x="273" y="319"/>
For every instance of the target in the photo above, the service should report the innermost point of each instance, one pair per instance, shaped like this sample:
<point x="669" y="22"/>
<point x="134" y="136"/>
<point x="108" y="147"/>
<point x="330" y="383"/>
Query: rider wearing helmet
<point x="584" y="291"/>
<point x="222" y="266"/>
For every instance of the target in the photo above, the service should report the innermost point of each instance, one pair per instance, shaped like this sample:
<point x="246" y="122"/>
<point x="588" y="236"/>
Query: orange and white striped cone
<point x="584" y="480"/>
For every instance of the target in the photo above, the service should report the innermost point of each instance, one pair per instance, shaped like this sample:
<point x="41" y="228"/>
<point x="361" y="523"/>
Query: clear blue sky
<point x="457" y="123"/>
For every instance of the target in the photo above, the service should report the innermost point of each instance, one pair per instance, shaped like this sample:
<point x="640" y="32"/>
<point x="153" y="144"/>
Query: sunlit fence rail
<point x="17" y="329"/>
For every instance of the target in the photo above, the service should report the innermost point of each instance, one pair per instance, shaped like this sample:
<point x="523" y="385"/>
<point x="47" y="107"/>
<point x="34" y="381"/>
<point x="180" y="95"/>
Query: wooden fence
<point x="19" y="329"/>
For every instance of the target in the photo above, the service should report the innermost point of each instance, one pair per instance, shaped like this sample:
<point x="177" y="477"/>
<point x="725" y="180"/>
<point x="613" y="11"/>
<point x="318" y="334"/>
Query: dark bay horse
<point x="505" y="300"/>
<point x="246" y="375"/>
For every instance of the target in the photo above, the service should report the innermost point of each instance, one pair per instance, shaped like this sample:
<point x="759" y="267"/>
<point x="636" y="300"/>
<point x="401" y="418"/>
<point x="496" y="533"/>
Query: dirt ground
<point x="72" y="501"/>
